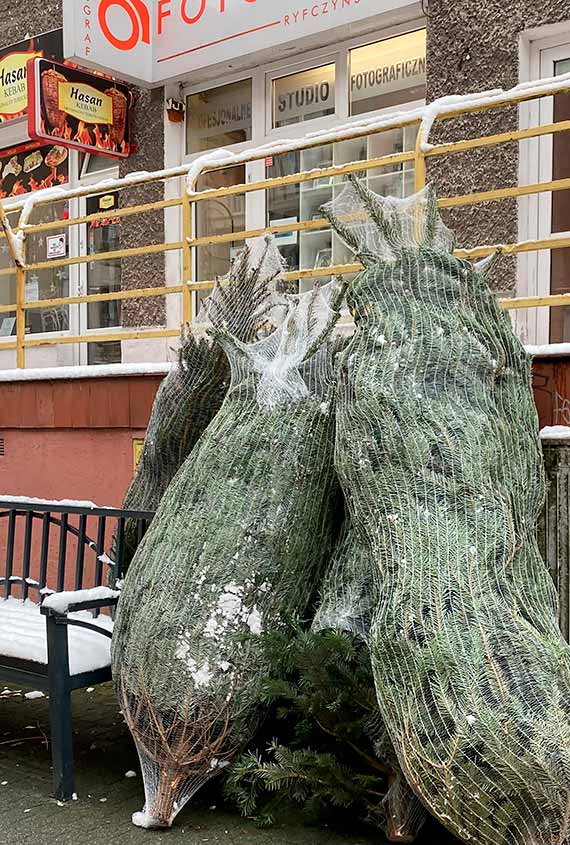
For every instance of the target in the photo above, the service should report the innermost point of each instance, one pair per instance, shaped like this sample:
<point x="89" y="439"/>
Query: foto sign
<point x="152" y="41"/>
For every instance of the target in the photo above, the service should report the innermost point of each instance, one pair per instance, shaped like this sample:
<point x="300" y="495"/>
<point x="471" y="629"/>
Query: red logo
<point x="139" y="17"/>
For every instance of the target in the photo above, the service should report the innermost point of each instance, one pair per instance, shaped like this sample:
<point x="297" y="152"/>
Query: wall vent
<point x="1" y="447"/>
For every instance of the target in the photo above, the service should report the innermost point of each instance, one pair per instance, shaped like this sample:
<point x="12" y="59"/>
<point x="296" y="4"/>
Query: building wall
<point x="73" y="439"/>
<point x="472" y="47"/>
<point x="145" y="271"/>
<point x="22" y="18"/>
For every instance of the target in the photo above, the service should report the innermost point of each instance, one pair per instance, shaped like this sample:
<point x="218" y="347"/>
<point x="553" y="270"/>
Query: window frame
<point x="538" y="49"/>
<point x="263" y="133"/>
<point x="262" y="78"/>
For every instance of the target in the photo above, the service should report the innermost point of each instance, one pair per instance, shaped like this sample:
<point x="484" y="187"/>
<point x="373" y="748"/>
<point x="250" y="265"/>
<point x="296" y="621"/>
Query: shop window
<point x="93" y="163"/>
<point x="303" y="96"/>
<point x="388" y="73"/>
<point x="103" y="235"/>
<point x="560" y="258"/>
<point x="47" y="283"/>
<point x="319" y="248"/>
<point x="108" y="352"/>
<point x="217" y="217"/>
<point x="219" y="117"/>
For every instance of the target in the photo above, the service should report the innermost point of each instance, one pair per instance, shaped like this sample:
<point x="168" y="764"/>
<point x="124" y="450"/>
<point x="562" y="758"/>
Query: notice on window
<point x="7" y="326"/>
<point x="285" y="238"/>
<point x="56" y="246"/>
<point x="33" y="289"/>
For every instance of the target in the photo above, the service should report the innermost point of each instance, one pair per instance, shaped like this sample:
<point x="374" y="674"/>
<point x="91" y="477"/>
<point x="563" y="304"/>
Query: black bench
<point x="59" y="649"/>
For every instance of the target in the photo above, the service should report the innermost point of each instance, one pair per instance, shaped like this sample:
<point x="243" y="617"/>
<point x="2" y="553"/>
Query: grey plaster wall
<point x="32" y="17"/>
<point x="474" y="46"/>
<point x="147" y="270"/>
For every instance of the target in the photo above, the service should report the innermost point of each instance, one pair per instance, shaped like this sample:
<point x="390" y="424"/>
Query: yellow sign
<point x="85" y="102"/>
<point x="108" y="201"/>
<point x="13" y="87"/>
<point x="137" y="452"/>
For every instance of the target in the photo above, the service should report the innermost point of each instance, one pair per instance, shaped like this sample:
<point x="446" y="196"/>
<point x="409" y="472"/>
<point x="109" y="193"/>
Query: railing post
<point x="420" y="172"/>
<point x="17" y="254"/>
<point x="20" y="317"/>
<point x="187" y="229"/>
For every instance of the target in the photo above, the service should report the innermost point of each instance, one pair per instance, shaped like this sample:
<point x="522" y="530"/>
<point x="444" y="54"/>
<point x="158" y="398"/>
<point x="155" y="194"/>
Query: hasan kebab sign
<point x="151" y="41"/>
<point x="26" y="165"/>
<point x="86" y="111"/>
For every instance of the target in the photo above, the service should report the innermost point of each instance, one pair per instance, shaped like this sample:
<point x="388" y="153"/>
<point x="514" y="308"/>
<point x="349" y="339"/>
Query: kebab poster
<point x="13" y="70"/>
<point x="85" y="110"/>
<point x="31" y="167"/>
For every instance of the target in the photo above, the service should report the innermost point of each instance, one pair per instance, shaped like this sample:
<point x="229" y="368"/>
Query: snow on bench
<point x="23" y="636"/>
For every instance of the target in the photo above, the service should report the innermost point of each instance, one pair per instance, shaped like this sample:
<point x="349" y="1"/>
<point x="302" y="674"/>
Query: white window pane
<point x="388" y="73"/>
<point x="219" y="117"/>
<point x="304" y="96"/>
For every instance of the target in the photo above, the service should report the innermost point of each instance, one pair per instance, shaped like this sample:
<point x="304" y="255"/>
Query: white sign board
<point x="151" y="41"/>
<point x="56" y="246"/>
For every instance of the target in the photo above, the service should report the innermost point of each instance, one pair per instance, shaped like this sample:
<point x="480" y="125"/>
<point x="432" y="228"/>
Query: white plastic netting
<point x="193" y="392"/>
<point x="238" y="544"/>
<point x="348" y="601"/>
<point x="438" y="455"/>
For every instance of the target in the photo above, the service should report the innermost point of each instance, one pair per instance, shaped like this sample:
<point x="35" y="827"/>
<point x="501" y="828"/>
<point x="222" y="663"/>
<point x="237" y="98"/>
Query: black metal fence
<point x="50" y="547"/>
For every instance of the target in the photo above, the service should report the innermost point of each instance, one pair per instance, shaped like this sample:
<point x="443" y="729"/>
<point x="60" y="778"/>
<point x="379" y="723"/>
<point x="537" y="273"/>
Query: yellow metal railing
<point x="16" y="236"/>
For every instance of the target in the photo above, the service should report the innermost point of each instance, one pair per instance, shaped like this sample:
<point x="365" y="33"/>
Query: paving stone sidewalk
<point x="104" y="753"/>
<point x="106" y="798"/>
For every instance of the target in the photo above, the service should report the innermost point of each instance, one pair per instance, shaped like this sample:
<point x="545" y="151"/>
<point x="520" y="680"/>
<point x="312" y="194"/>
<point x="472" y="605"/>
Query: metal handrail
<point x="190" y="198"/>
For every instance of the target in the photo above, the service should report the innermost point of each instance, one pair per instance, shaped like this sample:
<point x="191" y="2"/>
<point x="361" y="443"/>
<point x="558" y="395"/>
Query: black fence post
<point x="60" y="709"/>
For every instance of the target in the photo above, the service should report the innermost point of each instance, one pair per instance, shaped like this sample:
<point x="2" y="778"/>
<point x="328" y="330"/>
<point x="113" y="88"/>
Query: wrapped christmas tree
<point x="348" y="601"/>
<point x="438" y="454"/>
<point x="238" y="543"/>
<point x="193" y="392"/>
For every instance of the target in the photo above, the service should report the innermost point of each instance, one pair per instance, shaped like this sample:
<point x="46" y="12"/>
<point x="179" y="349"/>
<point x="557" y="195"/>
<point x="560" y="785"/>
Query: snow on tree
<point x="238" y="544"/>
<point x="438" y="455"/>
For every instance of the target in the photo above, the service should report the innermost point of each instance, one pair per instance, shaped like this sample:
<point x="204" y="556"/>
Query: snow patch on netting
<point x="277" y="358"/>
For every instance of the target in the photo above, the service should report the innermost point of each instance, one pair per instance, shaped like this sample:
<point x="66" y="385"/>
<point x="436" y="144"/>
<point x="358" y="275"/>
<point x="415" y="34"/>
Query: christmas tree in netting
<point x="438" y="455"/>
<point x="193" y="392"/>
<point x="238" y="543"/>
<point x="348" y="602"/>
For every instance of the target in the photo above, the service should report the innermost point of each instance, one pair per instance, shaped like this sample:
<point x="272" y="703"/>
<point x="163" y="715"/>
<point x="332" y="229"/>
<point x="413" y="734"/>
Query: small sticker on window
<point x="56" y="246"/>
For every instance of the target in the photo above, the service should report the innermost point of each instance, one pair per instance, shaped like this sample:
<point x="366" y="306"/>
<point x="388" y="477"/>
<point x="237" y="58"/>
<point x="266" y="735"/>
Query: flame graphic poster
<point x="32" y="167"/>
<point x="82" y="110"/>
<point x="13" y="70"/>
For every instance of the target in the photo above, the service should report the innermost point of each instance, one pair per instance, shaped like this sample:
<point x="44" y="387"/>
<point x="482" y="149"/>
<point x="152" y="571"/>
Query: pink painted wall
<point x="69" y="439"/>
<point x="92" y="464"/>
